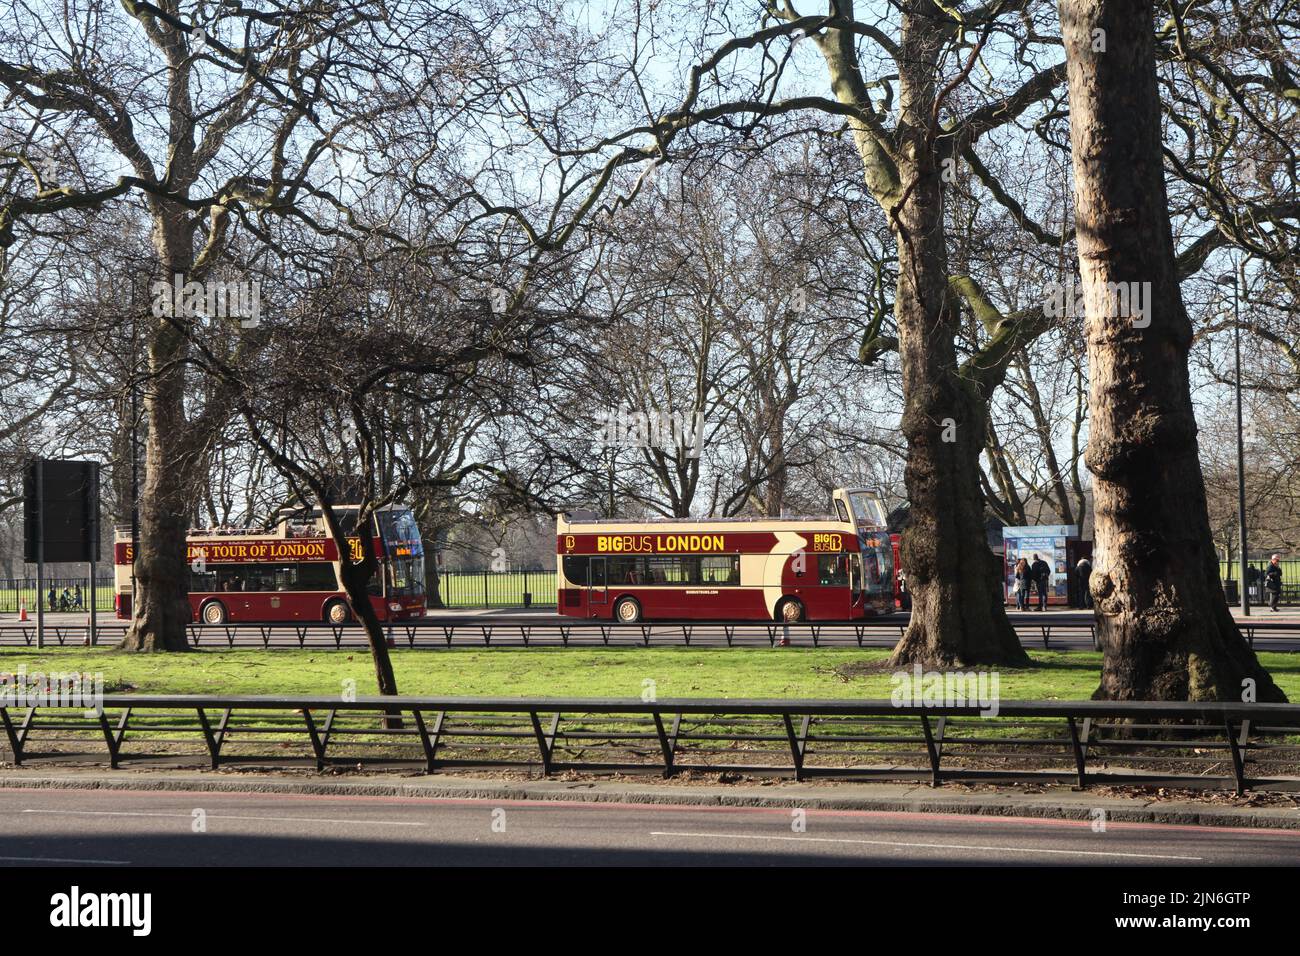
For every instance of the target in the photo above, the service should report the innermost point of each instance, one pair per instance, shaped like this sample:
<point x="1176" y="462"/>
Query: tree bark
<point x="160" y="610"/>
<point x="958" y="616"/>
<point x="1162" y="621"/>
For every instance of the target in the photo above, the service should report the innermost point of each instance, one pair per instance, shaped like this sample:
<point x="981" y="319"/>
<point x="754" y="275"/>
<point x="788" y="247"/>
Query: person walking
<point x="1273" y="580"/>
<point x="53" y="599"/>
<point x="76" y="598"/>
<point x="1084" y="570"/>
<point x="1042" y="573"/>
<point x="1253" y="577"/>
<point x="1022" y="585"/>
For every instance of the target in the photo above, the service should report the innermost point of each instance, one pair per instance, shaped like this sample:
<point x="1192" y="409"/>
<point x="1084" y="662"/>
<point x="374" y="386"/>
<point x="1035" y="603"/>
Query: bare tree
<point x="1165" y="629"/>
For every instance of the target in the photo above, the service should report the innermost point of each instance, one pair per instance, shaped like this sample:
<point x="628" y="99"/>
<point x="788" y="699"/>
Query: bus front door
<point x="597" y="589"/>
<point x="857" y="597"/>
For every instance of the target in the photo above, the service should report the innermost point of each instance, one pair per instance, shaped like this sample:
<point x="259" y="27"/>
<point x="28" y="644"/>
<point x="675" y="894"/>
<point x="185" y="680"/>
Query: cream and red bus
<point x="834" y="568"/>
<point x="288" y="574"/>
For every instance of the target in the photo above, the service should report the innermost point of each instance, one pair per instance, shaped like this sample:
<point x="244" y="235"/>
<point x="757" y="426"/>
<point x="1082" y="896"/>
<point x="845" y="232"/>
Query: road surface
<point x="126" y="828"/>
<point x="1058" y="629"/>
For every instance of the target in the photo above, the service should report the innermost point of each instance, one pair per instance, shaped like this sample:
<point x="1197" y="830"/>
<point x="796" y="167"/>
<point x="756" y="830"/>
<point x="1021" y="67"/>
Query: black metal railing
<point x="497" y="589"/>
<point x="17" y="593"/>
<point x="556" y="631"/>
<point x="1245" y="746"/>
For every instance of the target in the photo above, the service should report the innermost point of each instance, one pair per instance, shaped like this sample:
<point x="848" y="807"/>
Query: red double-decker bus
<point x="289" y="574"/>
<point x="835" y="568"/>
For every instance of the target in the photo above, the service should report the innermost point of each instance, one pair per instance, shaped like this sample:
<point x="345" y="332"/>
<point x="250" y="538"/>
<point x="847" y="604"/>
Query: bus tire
<point x="790" y="611"/>
<point x="627" y="610"/>
<point x="337" y="612"/>
<point x="213" y="612"/>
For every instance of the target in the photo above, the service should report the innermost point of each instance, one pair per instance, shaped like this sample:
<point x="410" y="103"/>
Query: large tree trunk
<point x="1162" y="621"/>
<point x="958" y="616"/>
<point x="161" y="609"/>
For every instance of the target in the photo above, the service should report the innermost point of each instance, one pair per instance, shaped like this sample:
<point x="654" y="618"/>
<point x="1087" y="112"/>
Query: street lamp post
<point x="1230" y="278"/>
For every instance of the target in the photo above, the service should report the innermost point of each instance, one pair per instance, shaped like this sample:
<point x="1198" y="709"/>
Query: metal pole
<point x="40" y="553"/>
<point x="94" y="552"/>
<point x="1241" y="446"/>
<point x="135" y="459"/>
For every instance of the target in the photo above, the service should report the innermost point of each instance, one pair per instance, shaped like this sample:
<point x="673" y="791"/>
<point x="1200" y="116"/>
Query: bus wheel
<point x="214" y="612"/>
<point x="790" y="611"/>
<point x="627" y="610"/>
<point x="336" y="612"/>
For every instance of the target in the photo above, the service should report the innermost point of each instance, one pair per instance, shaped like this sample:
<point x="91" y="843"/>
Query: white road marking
<point x="56" y="859"/>
<point x="929" y="846"/>
<point x="227" y="816"/>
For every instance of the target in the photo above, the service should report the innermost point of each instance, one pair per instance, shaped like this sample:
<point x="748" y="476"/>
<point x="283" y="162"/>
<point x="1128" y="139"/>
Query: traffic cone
<point x="22" y="611"/>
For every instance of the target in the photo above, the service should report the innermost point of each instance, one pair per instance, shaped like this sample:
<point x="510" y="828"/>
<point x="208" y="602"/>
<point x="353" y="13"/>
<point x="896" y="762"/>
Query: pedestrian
<point x="1273" y="580"/>
<point x="76" y="597"/>
<point x="1042" y="573"/>
<point x="1023" y="576"/>
<point x="53" y="599"/>
<point x="1253" y="575"/>
<point x="65" y="600"/>
<point x="1084" y="571"/>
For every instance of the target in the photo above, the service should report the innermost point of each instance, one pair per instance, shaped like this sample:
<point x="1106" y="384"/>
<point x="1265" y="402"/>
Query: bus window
<point x="575" y="569"/>
<point x="832" y="569"/>
<point x="720" y="569"/>
<point x="625" y="570"/>
<point x="317" y="577"/>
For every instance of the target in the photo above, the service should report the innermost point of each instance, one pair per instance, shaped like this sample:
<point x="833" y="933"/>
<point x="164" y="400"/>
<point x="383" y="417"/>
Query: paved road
<point x="1063" y="635"/>
<point x="124" y="828"/>
<point x="1059" y="629"/>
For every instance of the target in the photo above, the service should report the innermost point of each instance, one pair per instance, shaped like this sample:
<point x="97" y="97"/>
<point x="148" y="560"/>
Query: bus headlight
<point x="394" y="607"/>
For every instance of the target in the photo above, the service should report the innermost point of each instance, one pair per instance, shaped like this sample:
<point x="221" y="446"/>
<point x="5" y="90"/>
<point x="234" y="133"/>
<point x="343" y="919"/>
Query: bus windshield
<point x="403" y="551"/>
<point x="878" y="563"/>
<point x="867" y="509"/>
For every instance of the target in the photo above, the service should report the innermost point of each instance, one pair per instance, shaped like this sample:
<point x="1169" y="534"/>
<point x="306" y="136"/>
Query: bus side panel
<point x="268" y="606"/>
<point x="572" y="601"/>
<point x="708" y="604"/>
<point x="826" y="602"/>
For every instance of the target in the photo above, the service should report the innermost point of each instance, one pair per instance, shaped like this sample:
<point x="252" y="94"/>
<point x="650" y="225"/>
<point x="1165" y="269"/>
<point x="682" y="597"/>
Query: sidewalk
<point x="1273" y="810"/>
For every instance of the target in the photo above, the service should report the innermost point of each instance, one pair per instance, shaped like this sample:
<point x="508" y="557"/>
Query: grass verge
<point x="567" y="672"/>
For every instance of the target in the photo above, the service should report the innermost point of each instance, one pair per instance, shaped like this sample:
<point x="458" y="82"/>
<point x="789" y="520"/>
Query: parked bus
<point x="835" y="568"/>
<point x="241" y="575"/>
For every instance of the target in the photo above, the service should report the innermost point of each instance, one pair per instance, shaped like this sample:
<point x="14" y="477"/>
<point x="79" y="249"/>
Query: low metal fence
<point x="1067" y="630"/>
<point x="1244" y="746"/>
<point x="1230" y="573"/>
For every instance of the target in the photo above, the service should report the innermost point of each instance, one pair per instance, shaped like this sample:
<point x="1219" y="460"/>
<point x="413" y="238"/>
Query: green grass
<point x="525" y="672"/>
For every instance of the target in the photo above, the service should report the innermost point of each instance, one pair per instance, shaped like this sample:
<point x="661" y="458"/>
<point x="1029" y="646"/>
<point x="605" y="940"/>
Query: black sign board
<point x="61" y="505"/>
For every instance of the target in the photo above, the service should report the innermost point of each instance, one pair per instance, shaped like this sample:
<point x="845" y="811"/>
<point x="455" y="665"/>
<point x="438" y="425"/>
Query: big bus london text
<point x="288" y="574"/>
<point x="834" y="568"/>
